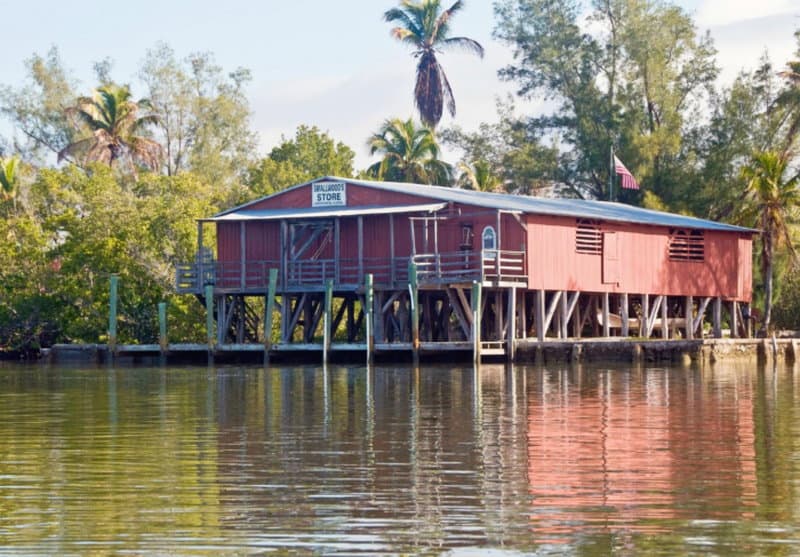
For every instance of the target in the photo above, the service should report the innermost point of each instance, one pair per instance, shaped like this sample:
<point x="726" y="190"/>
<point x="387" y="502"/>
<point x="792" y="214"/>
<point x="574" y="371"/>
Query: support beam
<point x="326" y="322"/>
<point x="414" y="303"/>
<point x="112" y="314"/>
<point x="717" y="321"/>
<point x="606" y="323"/>
<point x="644" y="320"/>
<point x="369" y="312"/>
<point x="498" y="313"/>
<point x="697" y="322"/>
<point x="463" y="321"/>
<point x="337" y="250"/>
<point x="512" y="324"/>
<point x="242" y="255"/>
<point x="688" y="315"/>
<point x="624" y="313"/>
<point x="269" y="308"/>
<point x="163" y="341"/>
<point x="551" y="311"/>
<point x="539" y="315"/>
<point x="476" y="321"/>
<point x="209" y="292"/>
<point x="360" y="246"/>
<point x="734" y="319"/>
<point x="664" y="318"/>
<point x="392" y="269"/>
<point x="564" y="316"/>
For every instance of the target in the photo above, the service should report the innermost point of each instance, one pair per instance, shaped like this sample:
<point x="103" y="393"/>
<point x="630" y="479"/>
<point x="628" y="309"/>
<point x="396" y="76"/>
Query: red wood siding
<point x="643" y="264"/>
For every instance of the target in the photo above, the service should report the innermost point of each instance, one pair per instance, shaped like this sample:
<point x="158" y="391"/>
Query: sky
<point x="329" y="64"/>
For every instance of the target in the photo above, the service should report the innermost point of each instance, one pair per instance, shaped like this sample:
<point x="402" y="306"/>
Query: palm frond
<point x="463" y="43"/>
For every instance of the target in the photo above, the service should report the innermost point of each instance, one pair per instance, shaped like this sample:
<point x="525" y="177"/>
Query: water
<point x="508" y="461"/>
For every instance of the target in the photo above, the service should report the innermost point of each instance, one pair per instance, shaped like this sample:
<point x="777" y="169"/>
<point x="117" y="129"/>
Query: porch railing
<point x="431" y="269"/>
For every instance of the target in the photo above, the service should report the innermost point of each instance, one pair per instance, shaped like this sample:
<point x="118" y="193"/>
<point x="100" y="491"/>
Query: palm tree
<point x="409" y="154"/>
<point x="424" y="27"/>
<point x="478" y="176"/>
<point x="771" y="200"/>
<point x="114" y="125"/>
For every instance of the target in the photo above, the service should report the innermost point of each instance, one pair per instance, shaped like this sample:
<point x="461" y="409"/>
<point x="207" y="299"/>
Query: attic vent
<point x="588" y="238"/>
<point x="687" y="245"/>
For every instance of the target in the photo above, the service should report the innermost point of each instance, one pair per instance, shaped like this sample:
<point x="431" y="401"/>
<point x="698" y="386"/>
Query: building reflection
<point x="631" y="451"/>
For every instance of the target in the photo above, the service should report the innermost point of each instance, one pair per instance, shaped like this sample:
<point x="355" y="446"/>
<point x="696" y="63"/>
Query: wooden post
<point x="523" y="310"/>
<point x="337" y="250"/>
<point x="326" y="322"/>
<point x="512" y="324"/>
<point x="360" y="246"/>
<point x="269" y="308"/>
<point x="200" y="271"/>
<point x="606" y="323"/>
<point x="112" y="315"/>
<point x="734" y="320"/>
<point x="498" y="313"/>
<point x="717" y="320"/>
<point x="392" y="270"/>
<point x="539" y="316"/>
<point x="624" y="312"/>
<point x="644" y="321"/>
<point x="689" y="317"/>
<point x="369" y="315"/>
<point x="564" y="319"/>
<point x="476" y="321"/>
<point x="413" y="301"/>
<point x="210" y="316"/>
<point x="664" y="317"/>
<point x="162" y="326"/>
<point x="242" y="255"/>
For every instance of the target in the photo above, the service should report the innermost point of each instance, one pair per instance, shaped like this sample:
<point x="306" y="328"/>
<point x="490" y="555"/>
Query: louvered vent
<point x="687" y="245"/>
<point x="588" y="238"/>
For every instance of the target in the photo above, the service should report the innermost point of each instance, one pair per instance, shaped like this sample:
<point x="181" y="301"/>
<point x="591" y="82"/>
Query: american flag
<point x="628" y="181"/>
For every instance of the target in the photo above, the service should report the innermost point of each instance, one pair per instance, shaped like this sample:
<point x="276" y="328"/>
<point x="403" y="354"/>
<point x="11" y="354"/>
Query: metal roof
<point x="575" y="208"/>
<point x="322" y="212"/>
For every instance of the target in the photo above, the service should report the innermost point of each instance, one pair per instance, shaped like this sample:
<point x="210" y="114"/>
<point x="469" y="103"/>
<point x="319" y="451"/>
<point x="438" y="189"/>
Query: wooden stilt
<point x="326" y="321"/>
<point x="606" y="324"/>
<point x="163" y="341"/>
<point x="689" y="318"/>
<point x="717" y="321"/>
<point x="664" y="317"/>
<point x="734" y="319"/>
<point x="476" y="321"/>
<point x="539" y="314"/>
<point x="624" y="313"/>
<point x="269" y="310"/>
<point x="209" y="316"/>
<point x="511" y="325"/>
<point x="523" y="317"/>
<point x="413" y="300"/>
<point x="644" y="320"/>
<point x="564" y="317"/>
<point x="370" y="315"/>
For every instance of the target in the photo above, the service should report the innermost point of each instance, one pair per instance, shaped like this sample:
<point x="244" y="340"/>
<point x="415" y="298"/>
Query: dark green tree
<point x="425" y="27"/>
<point x="408" y="154"/>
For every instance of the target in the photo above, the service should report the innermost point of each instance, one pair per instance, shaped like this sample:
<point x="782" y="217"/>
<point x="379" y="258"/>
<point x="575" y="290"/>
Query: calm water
<point x="570" y="460"/>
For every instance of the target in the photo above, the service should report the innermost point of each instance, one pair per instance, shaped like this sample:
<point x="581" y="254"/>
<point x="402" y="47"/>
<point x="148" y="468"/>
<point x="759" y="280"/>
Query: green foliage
<point x="311" y="154"/>
<point x="425" y="27"/>
<point x="37" y="108"/>
<point x="409" y="154"/>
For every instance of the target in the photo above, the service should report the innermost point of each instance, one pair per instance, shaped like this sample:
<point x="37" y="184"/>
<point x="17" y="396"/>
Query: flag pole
<point x="611" y="173"/>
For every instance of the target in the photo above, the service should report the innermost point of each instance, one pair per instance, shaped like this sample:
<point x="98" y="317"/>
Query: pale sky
<point x="330" y="64"/>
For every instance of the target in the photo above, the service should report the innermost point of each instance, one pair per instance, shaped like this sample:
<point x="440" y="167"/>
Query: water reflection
<point x="577" y="460"/>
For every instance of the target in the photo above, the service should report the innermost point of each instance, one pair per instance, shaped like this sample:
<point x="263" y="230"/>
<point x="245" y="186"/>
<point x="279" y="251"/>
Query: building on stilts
<point x="345" y="264"/>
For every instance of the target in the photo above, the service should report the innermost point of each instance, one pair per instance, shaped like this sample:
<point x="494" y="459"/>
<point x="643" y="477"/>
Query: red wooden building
<point x="542" y="267"/>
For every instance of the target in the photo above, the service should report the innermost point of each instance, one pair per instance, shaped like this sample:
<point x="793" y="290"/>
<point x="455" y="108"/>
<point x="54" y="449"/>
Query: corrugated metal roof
<point x="576" y="208"/>
<point x="322" y="212"/>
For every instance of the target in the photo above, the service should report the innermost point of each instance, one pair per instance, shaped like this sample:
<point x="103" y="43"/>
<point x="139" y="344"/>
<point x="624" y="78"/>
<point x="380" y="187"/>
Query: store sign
<point x="329" y="194"/>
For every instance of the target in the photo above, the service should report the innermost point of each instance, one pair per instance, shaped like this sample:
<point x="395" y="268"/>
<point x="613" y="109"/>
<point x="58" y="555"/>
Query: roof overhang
<point x="322" y="212"/>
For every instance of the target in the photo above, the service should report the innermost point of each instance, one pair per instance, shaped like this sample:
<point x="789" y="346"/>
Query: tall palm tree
<point x="479" y="176"/>
<point x="115" y="128"/>
<point x="409" y="154"/>
<point x="771" y="200"/>
<point x="426" y="28"/>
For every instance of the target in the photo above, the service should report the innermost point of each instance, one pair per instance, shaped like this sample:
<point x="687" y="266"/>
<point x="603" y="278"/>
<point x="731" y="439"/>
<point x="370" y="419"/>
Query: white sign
<point x="328" y="194"/>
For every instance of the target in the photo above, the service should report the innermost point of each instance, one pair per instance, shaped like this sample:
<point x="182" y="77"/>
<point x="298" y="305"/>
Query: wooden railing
<point x="440" y="268"/>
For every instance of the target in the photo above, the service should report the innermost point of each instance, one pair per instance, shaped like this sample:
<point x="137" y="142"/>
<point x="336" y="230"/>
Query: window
<point x="466" y="236"/>
<point x="588" y="238"/>
<point x="489" y="238"/>
<point x="686" y="245"/>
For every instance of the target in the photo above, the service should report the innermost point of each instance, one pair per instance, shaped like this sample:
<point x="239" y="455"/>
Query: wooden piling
<point x="414" y="299"/>
<point x="163" y="342"/>
<point x="112" y="315"/>
<point x="209" y="291"/>
<point x="269" y="311"/>
<point x="326" y="321"/>
<point x="369" y="316"/>
<point x="476" y="321"/>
